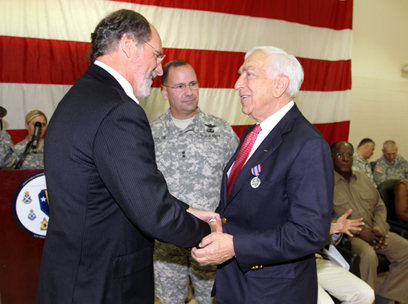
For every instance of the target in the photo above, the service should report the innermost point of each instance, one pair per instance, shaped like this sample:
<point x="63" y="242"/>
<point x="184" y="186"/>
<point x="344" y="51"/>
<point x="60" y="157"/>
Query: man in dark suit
<point x="107" y="199"/>
<point x="276" y="214"/>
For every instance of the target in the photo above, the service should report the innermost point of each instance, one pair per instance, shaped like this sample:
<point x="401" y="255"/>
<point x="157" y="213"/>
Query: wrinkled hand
<point x="205" y="216"/>
<point x="215" y="249"/>
<point x="216" y="226"/>
<point x="343" y="225"/>
<point x="373" y="237"/>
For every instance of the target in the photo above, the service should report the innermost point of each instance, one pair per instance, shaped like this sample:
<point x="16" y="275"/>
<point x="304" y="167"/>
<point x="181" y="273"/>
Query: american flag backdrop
<point x="43" y="46"/>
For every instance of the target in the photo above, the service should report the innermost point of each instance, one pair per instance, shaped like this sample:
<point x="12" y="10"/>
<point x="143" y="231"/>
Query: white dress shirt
<point x="127" y="87"/>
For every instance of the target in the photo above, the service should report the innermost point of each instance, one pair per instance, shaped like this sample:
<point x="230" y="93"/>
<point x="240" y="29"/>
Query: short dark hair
<point x="111" y="29"/>
<point x="365" y="141"/>
<point x="174" y="63"/>
<point x="333" y="146"/>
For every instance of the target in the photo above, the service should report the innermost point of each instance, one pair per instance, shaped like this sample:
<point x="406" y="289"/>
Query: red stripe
<point x="335" y="131"/>
<point x="17" y="135"/>
<point x="29" y="60"/>
<point x="334" y="14"/>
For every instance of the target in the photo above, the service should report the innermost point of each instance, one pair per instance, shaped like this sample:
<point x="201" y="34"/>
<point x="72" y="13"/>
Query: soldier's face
<point x="390" y="153"/>
<point x="31" y="123"/>
<point x="183" y="101"/>
<point x="369" y="150"/>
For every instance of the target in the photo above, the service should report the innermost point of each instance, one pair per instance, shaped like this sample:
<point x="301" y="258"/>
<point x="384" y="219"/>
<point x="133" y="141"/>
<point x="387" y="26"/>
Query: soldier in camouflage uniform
<point x="361" y="155"/>
<point x="192" y="148"/>
<point x="390" y="165"/>
<point x="7" y="157"/>
<point x="35" y="157"/>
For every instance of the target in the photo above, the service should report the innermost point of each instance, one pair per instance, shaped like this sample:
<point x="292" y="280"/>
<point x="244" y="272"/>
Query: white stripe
<point x="179" y="28"/>
<point x="19" y="99"/>
<point x="318" y="107"/>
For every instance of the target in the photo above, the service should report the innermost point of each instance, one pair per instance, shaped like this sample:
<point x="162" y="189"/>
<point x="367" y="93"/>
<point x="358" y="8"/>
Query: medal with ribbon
<point x="256" y="181"/>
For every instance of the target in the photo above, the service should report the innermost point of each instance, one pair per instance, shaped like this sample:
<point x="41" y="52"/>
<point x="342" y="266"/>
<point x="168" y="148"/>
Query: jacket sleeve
<point x="125" y="158"/>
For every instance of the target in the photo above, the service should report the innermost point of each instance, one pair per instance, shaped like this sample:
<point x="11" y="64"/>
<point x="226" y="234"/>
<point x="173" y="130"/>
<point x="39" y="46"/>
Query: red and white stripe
<point x="43" y="47"/>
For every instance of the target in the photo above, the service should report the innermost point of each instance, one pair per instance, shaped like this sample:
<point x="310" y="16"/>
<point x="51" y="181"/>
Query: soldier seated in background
<point x="361" y="155"/>
<point x="390" y="165"/>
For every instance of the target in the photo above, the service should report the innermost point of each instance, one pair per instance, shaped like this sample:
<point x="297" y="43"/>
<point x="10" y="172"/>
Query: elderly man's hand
<point x="373" y="237"/>
<point x="215" y="249"/>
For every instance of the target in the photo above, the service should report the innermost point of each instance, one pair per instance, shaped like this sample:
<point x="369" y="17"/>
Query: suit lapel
<point x="269" y="145"/>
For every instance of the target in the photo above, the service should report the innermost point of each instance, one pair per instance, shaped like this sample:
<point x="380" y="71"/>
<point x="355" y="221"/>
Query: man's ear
<point x="164" y="92"/>
<point x="127" y="45"/>
<point x="281" y="84"/>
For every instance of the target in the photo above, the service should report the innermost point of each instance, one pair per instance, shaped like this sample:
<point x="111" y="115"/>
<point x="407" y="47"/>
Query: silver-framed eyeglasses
<point x="159" y="55"/>
<point x="341" y="155"/>
<point x="180" y="87"/>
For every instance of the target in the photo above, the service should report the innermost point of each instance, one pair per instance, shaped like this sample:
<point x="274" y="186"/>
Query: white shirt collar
<point x="127" y="87"/>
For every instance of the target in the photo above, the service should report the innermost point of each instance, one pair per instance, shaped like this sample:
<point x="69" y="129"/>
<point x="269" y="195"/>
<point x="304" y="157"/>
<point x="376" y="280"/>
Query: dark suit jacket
<point x="107" y="199"/>
<point x="281" y="224"/>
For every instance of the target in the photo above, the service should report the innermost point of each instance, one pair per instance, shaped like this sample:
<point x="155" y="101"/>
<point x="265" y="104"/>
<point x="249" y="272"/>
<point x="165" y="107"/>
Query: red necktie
<point x="242" y="157"/>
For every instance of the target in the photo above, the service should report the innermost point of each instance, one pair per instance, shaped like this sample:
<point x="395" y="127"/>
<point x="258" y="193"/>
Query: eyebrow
<point x="241" y="70"/>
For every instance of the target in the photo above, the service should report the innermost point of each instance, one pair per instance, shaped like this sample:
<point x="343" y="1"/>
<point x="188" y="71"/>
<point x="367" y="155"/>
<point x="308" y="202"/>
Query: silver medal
<point x="255" y="182"/>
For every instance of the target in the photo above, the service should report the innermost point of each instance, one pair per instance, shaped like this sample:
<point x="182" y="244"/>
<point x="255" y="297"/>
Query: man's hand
<point x="212" y="218"/>
<point x="216" y="226"/>
<point x="205" y="216"/>
<point x="215" y="249"/>
<point x="373" y="237"/>
<point x="343" y="225"/>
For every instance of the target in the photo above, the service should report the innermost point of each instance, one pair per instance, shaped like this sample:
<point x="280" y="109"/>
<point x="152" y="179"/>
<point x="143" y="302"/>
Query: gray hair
<point x="282" y="63"/>
<point x="111" y="29"/>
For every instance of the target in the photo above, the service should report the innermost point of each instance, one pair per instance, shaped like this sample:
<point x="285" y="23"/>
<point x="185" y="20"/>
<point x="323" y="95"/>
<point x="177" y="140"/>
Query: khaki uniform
<point x="362" y="165"/>
<point x="384" y="169"/>
<point x="192" y="161"/>
<point x="360" y="195"/>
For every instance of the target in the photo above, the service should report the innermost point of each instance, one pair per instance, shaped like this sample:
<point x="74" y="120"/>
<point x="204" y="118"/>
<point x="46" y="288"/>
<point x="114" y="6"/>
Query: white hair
<point x="282" y="63"/>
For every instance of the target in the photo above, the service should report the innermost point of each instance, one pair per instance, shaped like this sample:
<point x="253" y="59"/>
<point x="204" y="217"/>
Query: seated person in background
<point x="6" y="150"/>
<point x="401" y="200"/>
<point x="390" y="165"/>
<point x="336" y="280"/>
<point x="361" y="155"/>
<point x="354" y="190"/>
<point x="35" y="157"/>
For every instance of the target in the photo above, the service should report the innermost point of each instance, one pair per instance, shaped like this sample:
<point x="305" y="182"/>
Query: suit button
<point x="224" y="220"/>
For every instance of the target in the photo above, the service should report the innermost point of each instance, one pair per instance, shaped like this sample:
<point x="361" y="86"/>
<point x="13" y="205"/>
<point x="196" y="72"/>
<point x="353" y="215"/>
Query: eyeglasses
<point x="181" y="86"/>
<point x="159" y="56"/>
<point x="341" y="155"/>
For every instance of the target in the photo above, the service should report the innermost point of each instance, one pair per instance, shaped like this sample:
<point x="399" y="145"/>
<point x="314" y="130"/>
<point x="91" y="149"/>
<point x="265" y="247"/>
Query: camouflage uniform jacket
<point x="7" y="156"/>
<point x="384" y="169"/>
<point x="192" y="160"/>
<point x="362" y="165"/>
<point x="33" y="160"/>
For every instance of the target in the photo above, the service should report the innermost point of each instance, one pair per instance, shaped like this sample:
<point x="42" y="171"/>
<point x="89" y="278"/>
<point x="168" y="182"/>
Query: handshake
<point x="215" y="248"/>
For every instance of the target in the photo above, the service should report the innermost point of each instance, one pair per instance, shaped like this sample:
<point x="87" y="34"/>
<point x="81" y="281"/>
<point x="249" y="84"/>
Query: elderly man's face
<point x="254" y="86"/>
<point x="342" y="158"/>
<point x="183" y="105"/>
<point x="144" y="67"/>
<point x="390" y="153"/>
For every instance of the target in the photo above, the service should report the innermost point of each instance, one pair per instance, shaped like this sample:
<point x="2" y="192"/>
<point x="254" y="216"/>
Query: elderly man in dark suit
<point x="107" y="199"/>
<point x="276" y="195"/>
